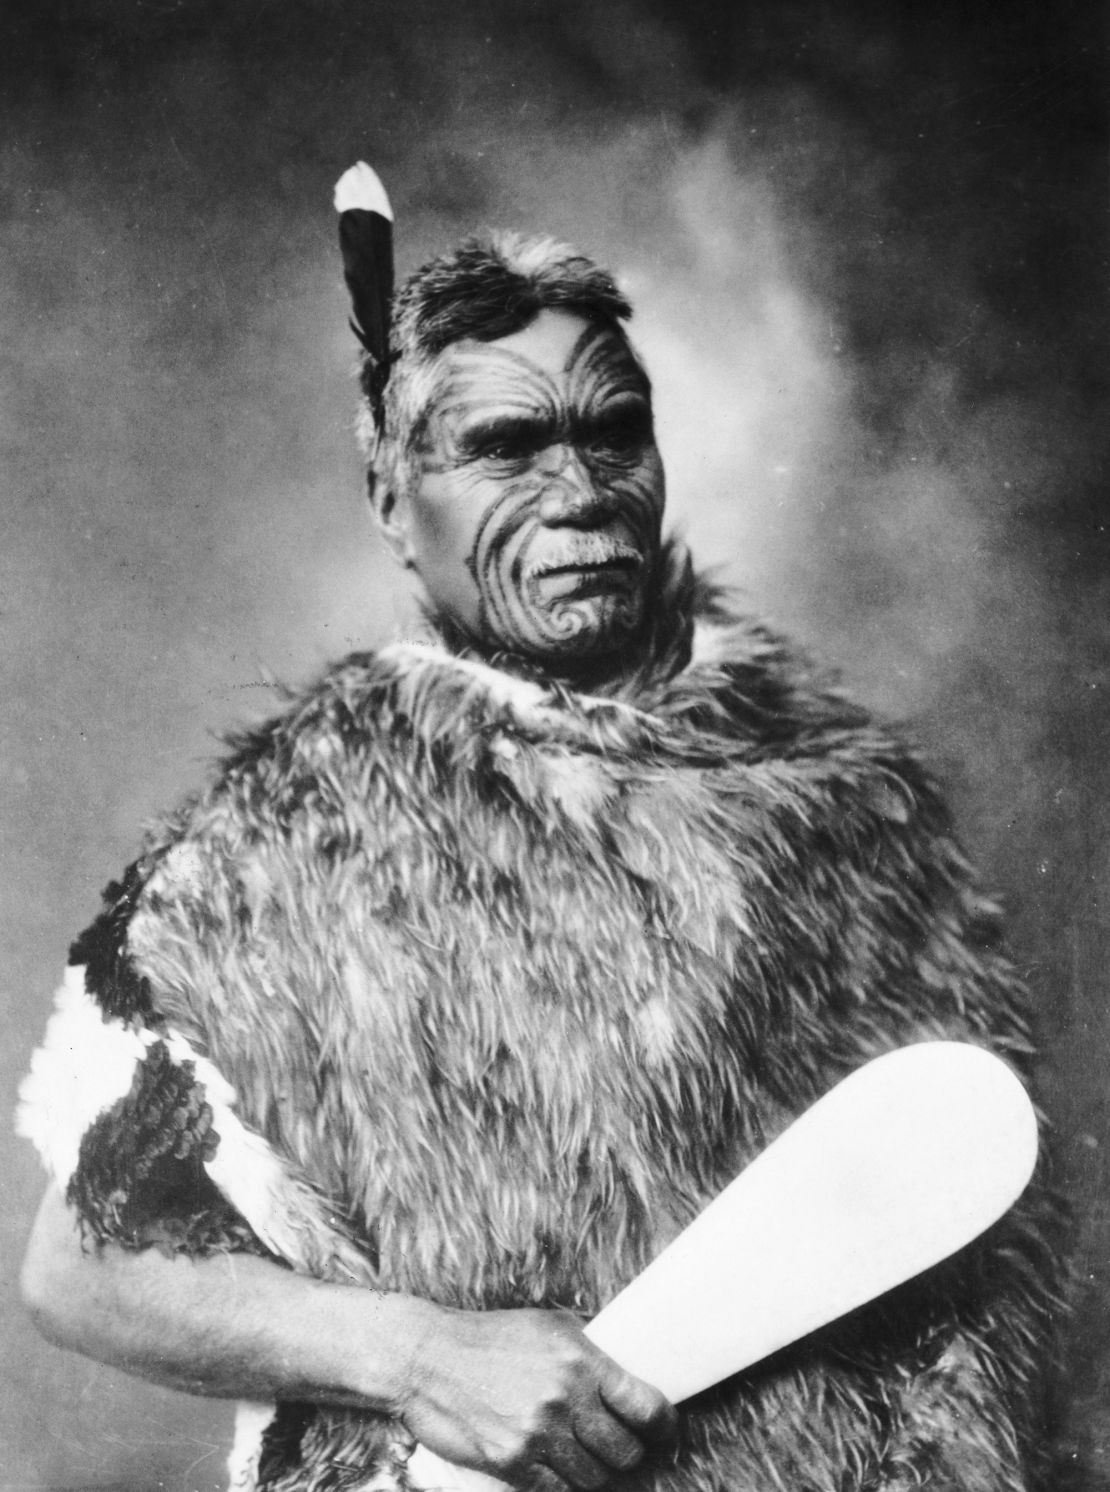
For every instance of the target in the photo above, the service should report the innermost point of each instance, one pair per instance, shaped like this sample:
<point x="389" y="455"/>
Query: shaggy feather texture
<point x="510" y="981"/>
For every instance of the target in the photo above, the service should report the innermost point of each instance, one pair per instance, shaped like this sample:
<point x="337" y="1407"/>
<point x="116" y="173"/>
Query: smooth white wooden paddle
<point x="900" y="1165"/>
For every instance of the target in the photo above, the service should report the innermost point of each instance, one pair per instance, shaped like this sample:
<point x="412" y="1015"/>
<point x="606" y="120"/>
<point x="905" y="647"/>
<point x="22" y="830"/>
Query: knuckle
<point x="569" y="1346"/>
<point x="568" y="1381"/>
<point x="533" y="1423"/>
<point x="512" y="1456"/>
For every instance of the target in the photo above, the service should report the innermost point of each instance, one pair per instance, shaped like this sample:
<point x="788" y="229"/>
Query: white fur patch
<point x="285" y="1216"/>
<point x="251" y="1420"/>
<point x="84" y="1065"/>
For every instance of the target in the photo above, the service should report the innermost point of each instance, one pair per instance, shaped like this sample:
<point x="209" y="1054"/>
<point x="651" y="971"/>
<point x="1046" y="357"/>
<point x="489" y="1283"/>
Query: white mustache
<point x="585" y="555"/>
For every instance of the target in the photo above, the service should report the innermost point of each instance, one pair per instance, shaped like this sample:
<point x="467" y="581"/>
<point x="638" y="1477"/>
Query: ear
<point x="392" y="516"/>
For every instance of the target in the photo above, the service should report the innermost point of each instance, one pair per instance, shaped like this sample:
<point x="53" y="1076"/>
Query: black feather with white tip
<point x="366" y="241"/>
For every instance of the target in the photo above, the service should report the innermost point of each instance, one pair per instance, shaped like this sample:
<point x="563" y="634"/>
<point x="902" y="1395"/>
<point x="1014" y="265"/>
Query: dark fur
<point x="140" y="1179"/>
<point x="521" y="981"/>
<point x="102" y="948"/>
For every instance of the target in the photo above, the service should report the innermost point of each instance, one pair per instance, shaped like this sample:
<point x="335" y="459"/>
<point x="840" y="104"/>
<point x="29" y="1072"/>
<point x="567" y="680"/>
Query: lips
<point x="590" y="571"/>
<point x="588" y="559"/>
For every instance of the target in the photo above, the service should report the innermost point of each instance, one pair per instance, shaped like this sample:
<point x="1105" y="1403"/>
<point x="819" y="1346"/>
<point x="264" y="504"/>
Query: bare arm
<point x="502" y="1391"/>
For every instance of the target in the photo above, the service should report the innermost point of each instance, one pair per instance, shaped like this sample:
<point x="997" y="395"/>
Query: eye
<point x="622" y="433"/>
<point x="511" y="449"/>
<point x="505" y="444"/>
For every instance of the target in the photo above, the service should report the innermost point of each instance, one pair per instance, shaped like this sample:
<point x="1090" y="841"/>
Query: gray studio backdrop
<point x="865" y="246"/>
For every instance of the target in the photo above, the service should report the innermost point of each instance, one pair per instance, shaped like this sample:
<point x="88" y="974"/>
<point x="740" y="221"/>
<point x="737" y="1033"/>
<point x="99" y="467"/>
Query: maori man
<point x="478" y="970"/>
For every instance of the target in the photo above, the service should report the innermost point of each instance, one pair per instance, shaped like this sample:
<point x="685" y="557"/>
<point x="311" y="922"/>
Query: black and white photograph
<point x="555" y="750"/>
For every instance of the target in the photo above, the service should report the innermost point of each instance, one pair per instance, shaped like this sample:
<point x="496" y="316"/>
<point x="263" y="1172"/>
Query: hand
<point x="509" y="1392"/>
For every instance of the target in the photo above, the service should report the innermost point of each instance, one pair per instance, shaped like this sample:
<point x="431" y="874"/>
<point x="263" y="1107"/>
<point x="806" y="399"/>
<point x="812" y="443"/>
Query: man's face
<point x="534" y="514"/>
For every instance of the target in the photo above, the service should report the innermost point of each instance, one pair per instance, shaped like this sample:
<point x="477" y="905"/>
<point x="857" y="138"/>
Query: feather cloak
<point x="460" y="983"/>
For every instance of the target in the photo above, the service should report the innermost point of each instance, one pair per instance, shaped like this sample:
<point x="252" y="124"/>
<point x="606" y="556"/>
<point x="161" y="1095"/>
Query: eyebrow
<point x="621" y="401"/>
<point x="489" y="429"/>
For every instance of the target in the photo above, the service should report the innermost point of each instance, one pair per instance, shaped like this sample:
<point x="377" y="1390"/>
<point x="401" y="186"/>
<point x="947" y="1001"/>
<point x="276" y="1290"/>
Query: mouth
<point x="587" y="574"/>
<point x="610" y="560"/>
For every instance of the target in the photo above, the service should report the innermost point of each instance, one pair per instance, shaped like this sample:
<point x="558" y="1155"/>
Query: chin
<point x="588" y="631"/>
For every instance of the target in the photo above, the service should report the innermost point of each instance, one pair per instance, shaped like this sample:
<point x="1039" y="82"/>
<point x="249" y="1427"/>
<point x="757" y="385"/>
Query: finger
<point x="608" y="1439"/>
<point x="577" y="1467"/>
<point x="645" y="1411"/>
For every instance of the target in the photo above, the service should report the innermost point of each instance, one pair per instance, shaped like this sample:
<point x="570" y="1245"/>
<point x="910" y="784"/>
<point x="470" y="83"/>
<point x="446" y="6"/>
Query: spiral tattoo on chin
<point x="595" y="479"/>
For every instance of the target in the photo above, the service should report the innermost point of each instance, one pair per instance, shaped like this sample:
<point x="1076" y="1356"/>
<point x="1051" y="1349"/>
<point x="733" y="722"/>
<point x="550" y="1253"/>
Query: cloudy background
<point x="868" y="243"/>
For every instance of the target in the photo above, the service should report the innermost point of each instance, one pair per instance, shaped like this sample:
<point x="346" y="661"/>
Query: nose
<point x="572" y="494"/>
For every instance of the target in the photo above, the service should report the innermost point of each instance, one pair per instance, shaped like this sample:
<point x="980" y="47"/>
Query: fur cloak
<point x="458" y="983"/>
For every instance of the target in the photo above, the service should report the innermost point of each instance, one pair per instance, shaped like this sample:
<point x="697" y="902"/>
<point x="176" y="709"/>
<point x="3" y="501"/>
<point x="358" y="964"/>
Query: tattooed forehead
<point x="481" y="380"/>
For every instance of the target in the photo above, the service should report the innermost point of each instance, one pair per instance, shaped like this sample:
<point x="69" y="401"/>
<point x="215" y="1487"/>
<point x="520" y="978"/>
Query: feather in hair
<point x="366" y="242"/>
